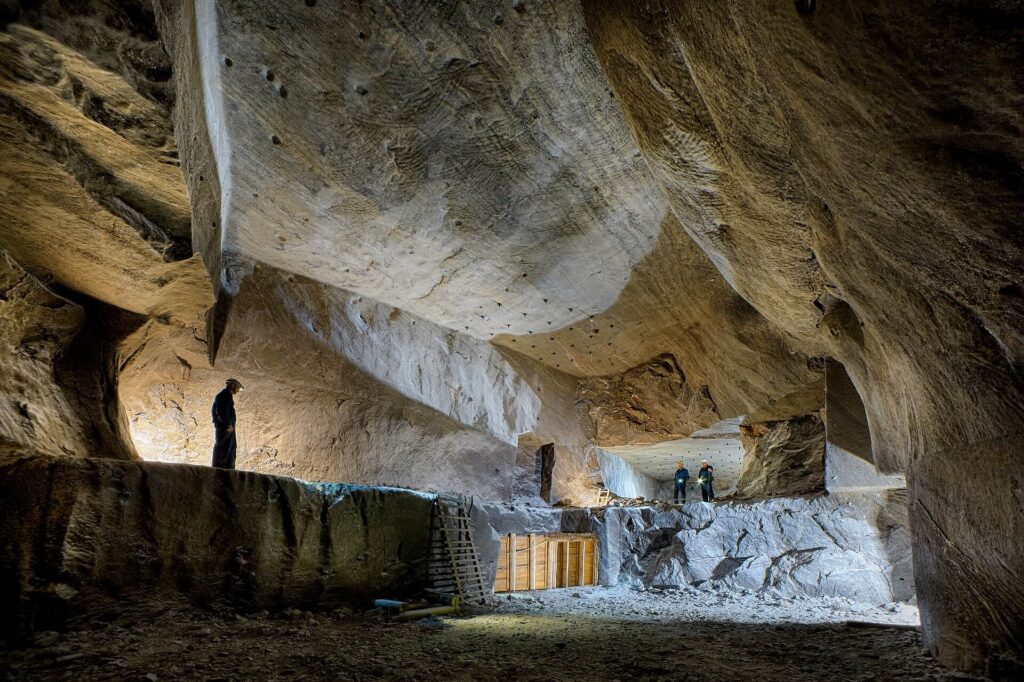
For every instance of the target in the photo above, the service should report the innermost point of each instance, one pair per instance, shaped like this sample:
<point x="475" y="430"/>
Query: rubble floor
<point x="572" y="634"/>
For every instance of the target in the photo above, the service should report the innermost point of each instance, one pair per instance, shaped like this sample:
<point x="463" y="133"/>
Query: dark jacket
<point x="682" y="475"/>
<point x="706" y="474"/>
<point x="223" y="410"/>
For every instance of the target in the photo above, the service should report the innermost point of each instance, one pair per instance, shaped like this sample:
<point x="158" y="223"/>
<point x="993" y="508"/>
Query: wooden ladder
<point x="454" y="567"/>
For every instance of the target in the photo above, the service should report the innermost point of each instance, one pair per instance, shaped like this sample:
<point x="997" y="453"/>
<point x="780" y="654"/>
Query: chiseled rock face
<point x="36" y="327"/>
<point x="854" y="172"/>
<point x="784" y="458"/>
<point x="308" y="409"/>
<point x="57" y="378"/>
<point x="90" y="179"/>
<point x="448" y="168"/>
<point x="77" y="530"/>
<point x="647" y="404"/>
<point x="856" y="547"/>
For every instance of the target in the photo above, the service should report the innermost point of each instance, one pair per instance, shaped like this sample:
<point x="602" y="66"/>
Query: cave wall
<point x="307" y="411"/>
<point x="854" y="173"/>
<point x="37" y="327"/>
<point x="783" y="458"/>
<point x="59" y="384"/>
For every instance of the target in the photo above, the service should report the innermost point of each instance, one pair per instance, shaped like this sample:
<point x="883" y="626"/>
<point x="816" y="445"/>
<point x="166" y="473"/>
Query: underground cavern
<point x="491" y="275"/>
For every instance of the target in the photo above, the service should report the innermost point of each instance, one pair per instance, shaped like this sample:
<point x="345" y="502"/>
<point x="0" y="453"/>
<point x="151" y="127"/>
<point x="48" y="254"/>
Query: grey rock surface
<point x="856" y="547"/>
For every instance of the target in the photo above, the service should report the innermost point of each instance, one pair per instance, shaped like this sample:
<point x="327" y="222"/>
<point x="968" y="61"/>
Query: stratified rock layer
<point x="784" y="458"/>
<point x="91" y="184"/>
<point x="78" y="530"/>
<point x="59" y="382"/>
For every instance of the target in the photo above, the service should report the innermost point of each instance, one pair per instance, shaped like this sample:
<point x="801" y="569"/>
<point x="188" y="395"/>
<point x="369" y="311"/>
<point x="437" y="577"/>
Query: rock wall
<point x="856" y="547"/>
<point x="78" y="531"/>
<point x="59" y="389"/>
<point x="853" y="545"/>
<point x="784" y="458"/>
<point x="854" y="173"/>
<point x="307" y="410"/>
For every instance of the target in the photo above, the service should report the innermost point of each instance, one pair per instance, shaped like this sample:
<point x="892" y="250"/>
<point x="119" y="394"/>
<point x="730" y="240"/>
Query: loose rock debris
<point x="591" y="634"/>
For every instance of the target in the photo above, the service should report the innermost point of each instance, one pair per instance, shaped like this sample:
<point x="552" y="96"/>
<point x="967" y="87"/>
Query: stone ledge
<point x="78" y="530"/>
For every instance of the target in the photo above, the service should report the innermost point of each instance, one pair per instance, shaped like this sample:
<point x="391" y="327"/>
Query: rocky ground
<point x="592" y="634"/>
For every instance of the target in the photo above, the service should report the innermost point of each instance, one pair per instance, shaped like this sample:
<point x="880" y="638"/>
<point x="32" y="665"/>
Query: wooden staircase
<point x="454" y="567"/>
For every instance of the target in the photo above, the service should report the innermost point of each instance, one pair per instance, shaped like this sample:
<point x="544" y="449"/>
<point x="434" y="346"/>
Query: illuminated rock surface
<point x="434" y="239"/>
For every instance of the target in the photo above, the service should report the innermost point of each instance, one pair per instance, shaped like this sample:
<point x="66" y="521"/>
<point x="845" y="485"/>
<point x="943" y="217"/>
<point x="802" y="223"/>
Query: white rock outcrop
<point x="855" y="547"/>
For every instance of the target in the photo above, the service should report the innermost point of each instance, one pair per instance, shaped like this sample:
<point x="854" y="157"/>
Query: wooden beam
<point x="533" y="561"/>
<point x="583" y="563"/>
<point x="566" y="573"/>
<point x="512" y="562"/>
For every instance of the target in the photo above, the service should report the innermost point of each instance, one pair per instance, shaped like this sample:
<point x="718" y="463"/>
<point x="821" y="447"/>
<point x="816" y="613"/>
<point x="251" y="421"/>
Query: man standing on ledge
<point x="223" y="411"/>
<point x="706" y="478"/>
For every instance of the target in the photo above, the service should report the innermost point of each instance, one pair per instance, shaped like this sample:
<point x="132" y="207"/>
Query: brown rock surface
<point x="647" y="404"/>
<point x="783" y="458"/>
<point x="59" y="394"/>
<point x="91" y="185"/>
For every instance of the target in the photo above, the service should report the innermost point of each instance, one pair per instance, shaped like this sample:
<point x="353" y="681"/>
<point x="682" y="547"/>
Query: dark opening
<point x="545" y="465"/>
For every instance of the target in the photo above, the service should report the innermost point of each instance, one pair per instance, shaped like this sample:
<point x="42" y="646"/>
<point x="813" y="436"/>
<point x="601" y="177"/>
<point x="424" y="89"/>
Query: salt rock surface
<point x="854" y="172"/>
<point x="852" y="547"/>
<point x="783" y="458"/>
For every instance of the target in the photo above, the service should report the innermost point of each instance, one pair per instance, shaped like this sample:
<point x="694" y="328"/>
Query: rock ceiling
<point x="486" y="220"/>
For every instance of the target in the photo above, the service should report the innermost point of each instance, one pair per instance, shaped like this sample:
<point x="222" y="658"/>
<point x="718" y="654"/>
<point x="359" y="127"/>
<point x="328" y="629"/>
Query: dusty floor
<point x="595" y="634"/>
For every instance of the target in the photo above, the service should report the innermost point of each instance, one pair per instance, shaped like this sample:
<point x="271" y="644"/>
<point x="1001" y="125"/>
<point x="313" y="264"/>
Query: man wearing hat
<point x="223" y="412"/>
